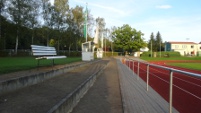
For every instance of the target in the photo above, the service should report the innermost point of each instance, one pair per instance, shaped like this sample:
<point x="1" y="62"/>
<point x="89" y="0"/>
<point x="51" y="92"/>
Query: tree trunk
<point x="32" y="38"/>
<point x="58" y="46"/>
<point x="16" y="45"/>
<point x="69" y="49"/>
<point x="17" y="38"/>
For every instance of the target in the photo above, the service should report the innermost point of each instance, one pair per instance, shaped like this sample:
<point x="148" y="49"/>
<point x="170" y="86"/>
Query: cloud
<point x="164" y="7"/>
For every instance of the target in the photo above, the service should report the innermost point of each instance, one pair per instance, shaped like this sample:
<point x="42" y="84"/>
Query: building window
<point x="184" y="46"/>
<point x="200" y="47"/>
<point x="176" y="46"/>
<point x="192" y="46"/>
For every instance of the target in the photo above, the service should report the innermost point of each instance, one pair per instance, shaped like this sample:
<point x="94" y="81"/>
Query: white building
<point x="185" y="48"/>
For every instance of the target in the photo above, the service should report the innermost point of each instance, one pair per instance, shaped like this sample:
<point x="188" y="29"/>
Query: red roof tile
<point x="182" y="42"/>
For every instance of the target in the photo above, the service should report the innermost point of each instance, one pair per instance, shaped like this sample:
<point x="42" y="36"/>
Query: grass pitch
<point x="12" y="64"/>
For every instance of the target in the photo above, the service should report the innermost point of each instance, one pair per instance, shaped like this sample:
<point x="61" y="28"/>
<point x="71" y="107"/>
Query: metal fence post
<point x="170" y="95"/>
<point x="133" y="68"/>
<point x="138" y="69"/>
<point x="147" y="77"/>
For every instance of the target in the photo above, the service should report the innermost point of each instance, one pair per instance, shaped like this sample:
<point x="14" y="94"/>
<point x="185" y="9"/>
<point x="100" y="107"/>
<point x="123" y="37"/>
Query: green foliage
<point x="52" y="42"/>
<point x="156" y="43"/>
<point x="128" y="39"/>
<point x="24" y="28"/>
<point x="195" y="66"/>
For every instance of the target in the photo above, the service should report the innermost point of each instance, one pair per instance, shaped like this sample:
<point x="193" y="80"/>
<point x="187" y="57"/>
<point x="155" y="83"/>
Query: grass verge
<point x="194" y="66"/>
<point x="170" y="58"/>
<point x="12" y="64"/>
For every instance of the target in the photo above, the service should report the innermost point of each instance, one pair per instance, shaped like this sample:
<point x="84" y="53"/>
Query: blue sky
<point x="176" y="20"/>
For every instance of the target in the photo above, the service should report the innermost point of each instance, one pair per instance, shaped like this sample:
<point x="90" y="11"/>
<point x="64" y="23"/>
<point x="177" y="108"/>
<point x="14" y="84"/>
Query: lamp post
<point x="151" y="48"/>
<point x="160" y="48"/>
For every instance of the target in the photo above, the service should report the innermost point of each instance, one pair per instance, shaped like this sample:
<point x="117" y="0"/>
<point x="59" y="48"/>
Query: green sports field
<point x="185" y="62"/>
<point x="195" y="66"/>
<point x="11" y="64"/>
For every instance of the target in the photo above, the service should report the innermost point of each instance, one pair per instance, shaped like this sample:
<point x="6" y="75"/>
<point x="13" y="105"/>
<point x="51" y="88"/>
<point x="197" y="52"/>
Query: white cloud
<point x="164" y="7"/>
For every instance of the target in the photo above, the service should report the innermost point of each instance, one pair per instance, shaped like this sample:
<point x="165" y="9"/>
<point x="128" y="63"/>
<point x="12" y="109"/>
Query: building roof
<point x="182" y="42"/>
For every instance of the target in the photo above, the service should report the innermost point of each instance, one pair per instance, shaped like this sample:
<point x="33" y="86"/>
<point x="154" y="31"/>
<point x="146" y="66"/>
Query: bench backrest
<point x="43" y="50"/>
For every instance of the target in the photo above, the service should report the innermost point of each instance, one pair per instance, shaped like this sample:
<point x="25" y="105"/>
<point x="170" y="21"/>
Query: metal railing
<point x="130" y="63"/>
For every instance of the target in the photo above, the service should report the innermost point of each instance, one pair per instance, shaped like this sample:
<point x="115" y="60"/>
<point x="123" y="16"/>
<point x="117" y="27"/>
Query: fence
<point x="181" y="89"/>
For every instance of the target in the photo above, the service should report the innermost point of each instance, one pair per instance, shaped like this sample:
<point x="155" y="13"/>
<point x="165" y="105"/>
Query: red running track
<point x="186" y="89"/>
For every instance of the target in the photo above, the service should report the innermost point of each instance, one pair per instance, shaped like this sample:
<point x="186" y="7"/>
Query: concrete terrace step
<point x="42" y="97"/>
<point x="13" y="81"/>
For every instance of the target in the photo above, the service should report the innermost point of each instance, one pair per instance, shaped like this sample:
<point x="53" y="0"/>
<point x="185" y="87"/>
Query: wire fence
<point x="182" y="89"/>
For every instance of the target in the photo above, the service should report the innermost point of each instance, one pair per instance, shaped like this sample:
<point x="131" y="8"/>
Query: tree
<point x="61" y="9"/>
<point x="18" y="12"/>
<point x="151" y="42"/>
<point x="100" y="22"/>
<point x="32" y="20"/>
<point x="78" y="19"/>
<point x="2" y="4"/>
<point x="158" y="41"/>
<point x="47" y="12"/>
<point x="128" y="39"/>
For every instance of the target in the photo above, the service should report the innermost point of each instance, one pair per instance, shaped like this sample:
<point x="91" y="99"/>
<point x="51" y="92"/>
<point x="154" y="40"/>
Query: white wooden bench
<point x="45" y="52"/>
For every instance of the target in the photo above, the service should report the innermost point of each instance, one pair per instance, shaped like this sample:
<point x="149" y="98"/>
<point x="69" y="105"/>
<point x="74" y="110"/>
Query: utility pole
<point x="86" y="16"/>
<point x="160" y="48"/>
<point x="151" y="48"/>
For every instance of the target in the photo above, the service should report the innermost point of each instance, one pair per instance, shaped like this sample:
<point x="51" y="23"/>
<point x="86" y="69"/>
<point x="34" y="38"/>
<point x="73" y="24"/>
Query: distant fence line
<point x="27" y="52"/>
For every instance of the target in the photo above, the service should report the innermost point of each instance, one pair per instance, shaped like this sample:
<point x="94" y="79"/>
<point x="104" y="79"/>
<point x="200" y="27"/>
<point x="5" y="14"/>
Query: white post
<point x="151" y="48"/>
<point x="147" y="77"/>
<point x="170" y="95"/>
<point x="86" y="21"/>
<point x="160" y="48"/>
<point x="133" y="67"/>
<point x="138" y="69"/>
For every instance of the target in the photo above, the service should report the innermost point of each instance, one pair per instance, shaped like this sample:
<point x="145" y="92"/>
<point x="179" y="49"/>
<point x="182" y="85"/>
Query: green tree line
<point x="26" y="22"/>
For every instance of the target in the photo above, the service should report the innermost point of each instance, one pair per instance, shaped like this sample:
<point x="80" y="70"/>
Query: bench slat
<point x="35" y="47"/>
<point x="44" y="54"/>
<point x="55" y="57"/>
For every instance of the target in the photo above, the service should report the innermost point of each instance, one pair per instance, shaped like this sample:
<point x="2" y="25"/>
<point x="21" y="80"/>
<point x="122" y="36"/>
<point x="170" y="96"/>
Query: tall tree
<point x="62" y="11"/>
<point x="100" y="22"/>
<point x="151" y="43"/>
<point x="32" y="20"/>
<point x="78" y="18"/>
<point x="2" y="4"/>
<point x="18" y="12"/>
<point x="128" y="38"/>
<point x="158" y="41"/>
<point x="47" y="12"/>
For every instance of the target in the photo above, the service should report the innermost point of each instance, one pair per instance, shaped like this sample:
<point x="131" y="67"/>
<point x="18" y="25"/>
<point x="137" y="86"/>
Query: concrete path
<point x="104" y="96"/>
<point x="135" y="97"/>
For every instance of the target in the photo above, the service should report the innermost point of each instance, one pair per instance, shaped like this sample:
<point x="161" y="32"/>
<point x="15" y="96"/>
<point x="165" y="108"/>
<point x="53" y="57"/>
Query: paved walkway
<point x="135" y="97"/>
<point x="104" y="96"/>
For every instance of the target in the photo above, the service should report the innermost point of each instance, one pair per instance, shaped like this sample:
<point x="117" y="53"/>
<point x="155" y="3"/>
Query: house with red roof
<point x="185" y="48"/>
